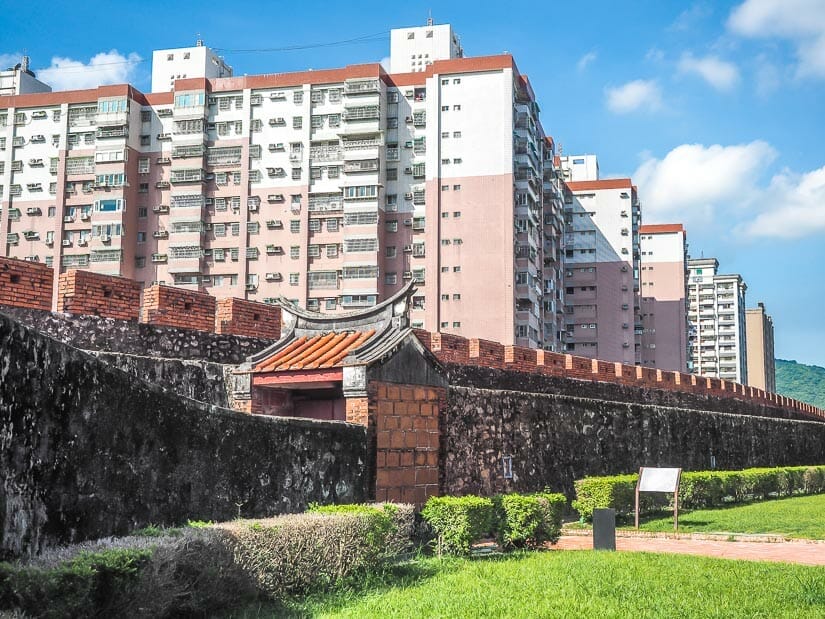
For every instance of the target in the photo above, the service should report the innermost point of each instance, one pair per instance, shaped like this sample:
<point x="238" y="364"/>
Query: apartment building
<point x="19" y="79"/>
<point x="601" y="270"/>
<point x="331" y="188"/>
<point x="716" y="317"/>
<point x="553" y="251"/>
<point x="663" y="293"/>
<point x="761" y="358"/>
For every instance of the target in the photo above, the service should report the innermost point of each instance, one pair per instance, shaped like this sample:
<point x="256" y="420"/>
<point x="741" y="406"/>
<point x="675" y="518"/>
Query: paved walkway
<point x="807" y="553"/>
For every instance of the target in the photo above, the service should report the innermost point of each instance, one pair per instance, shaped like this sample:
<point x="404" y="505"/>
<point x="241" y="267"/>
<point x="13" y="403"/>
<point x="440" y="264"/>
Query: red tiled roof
<point x="320" y="351"/>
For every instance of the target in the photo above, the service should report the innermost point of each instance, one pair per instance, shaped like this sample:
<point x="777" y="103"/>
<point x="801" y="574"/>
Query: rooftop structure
<point x="19" y="80"/>
<point x="169" y="65"/>
<point x="761" y="361"/>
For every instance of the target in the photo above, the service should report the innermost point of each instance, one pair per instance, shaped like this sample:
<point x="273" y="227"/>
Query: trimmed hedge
<point x="699" y="489"/>
<point x="458" y="522"/>
<point x="529" y="520"/>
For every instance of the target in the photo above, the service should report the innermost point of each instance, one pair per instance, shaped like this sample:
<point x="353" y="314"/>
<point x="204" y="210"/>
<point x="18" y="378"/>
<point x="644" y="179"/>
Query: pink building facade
<point x="664" y="342"/>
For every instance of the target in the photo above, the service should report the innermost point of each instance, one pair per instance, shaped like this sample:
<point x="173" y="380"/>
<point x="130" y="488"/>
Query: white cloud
<point x="800" y="21"/>
<point x="635" y="95"/>
<point x="688" y="18"/>
<point x="720" y="74"/>
<point x="103" y="68"/>
<point x="796" y="206"/>
<point x="654" y="54"/>
<point x="768" y="78"/>
<point x="585" y="60"/>
<point x="696" y="182"/>
<point x="9" y="60"/>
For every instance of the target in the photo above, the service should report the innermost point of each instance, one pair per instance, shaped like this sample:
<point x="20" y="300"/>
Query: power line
<point x="367" y="38"/>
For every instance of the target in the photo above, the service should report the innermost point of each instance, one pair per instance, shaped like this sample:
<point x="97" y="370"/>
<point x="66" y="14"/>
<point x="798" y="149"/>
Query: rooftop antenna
<point x="199" y="40"/>
<point x="429" y="17"/>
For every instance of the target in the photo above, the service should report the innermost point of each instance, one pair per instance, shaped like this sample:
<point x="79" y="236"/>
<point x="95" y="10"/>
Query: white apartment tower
<point x="199" y="61"/>
<point x="19" y="80"/>
<point x="414" y="49"/>
<point x="331" y="188"/>
<point x="716" y="316"/>
<point x="601" y="270"/>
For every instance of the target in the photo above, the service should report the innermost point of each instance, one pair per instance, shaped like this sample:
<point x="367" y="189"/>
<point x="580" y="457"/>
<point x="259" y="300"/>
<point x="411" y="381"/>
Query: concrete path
<point x="797" y="551"/>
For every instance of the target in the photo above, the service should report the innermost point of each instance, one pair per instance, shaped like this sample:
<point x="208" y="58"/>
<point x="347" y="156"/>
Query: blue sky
<point x="716" y="109"/>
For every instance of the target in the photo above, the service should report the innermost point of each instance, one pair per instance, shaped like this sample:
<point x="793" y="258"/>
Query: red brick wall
<point x="407" y="440"/>
<point x="84" y="292"/>
<point x="249" y="318"/>
<point x="176" y="307"/>
<point x="26" y="284"/>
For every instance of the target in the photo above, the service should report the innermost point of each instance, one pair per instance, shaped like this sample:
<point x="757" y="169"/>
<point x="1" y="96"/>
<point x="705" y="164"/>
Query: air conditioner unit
<point x="625" y="345"/>
<point x="407" y="275"/>
<point x="407" y="249"/>
<point x="407" y="170"/>
<point x="209" y="201"/>
<point x="105" y="238"/>
<point x="68" y="219"/>
<point x="624" y="268"/>
<point x="253" y="208"/>
<point x="408" y="222"/>
<point x="49" y="242"/>
<point x="33" y="210"/>
<point x="408" y="144"/>
<point x="273" y="277"/>
<point x="409" y="119"/>
<point x="408" y="196"/>
<point x="251" y="287"/>
<point x="625" y="306"/>
<point x="66" y="243"/>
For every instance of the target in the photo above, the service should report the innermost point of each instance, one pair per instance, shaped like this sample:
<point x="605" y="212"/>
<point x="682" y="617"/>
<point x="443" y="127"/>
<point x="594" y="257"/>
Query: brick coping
<point x="721" y="536"/>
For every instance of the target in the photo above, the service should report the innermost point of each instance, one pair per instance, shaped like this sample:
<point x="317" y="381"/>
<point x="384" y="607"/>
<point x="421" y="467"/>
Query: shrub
<point x="700" y="489"/>
<point x="459" y="521"/>
<point x="89" y="584"/>
<point x="308" y="552"/>
<point x="528" y="520"/>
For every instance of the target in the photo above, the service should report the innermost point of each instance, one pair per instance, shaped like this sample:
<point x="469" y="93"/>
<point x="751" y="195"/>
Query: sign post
<point x="659" y="480"/>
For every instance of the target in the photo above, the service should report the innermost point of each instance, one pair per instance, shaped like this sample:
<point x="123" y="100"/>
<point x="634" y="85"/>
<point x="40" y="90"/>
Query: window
<point x="331" y="304"/>
<point x="391" y="225"/>
<point x="390" y="279"/>
<point x="445" y="162"/>
<point x="140" y="262"/>
<point x="51" y="211"/>
<point x="392" y="174"/>
<point x="253" y="227"/>
<point x="457" y="160"/>
<point x="294" y="278"/>
<point x="143" y="188"/>
<point x="457" y="80"/>
<point x="141" y="237"/>
<point x="445" y="82"/>
<point x="295" y="252"/>
<point x="457" y="269"/>
<point x="296" y="174"/>
<point x="456" y="108"/>
<point x="297" y="122"/>
<point x="456" y="296"/>
<point x="456" y="325"/>
<point x="314" y="225"/>
<point x="390" y="251"/>
<point x="295" y="225"/>
<point x="445" y="134"/>
<point x="445" y="108"/>
<point x="456" y="213"/>
<point x="456" y="134"/>
<point x="143" y="165"/>
<point x="298" y="97"/>
<point x="445" y="187"/>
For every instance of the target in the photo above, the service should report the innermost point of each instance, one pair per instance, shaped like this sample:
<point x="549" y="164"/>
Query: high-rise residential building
<point x="716" y="317"/>
<point x="761" y="361"/>
<point x="553" y="251"/>
<point x="580" y="167"/>
<point x="601" y="271"/>
<point x="664" y="297"/>
<point x="169" y="65"/>
<point x="19" y="80"/>
<point x="331" y="188"/>
<point x="414" y="49"/>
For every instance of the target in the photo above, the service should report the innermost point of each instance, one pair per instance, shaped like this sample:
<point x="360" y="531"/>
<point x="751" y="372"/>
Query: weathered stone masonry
<point x="88" y="451"/>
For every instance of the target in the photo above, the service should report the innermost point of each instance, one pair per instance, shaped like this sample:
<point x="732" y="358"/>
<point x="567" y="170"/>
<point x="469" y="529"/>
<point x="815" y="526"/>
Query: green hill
<point x="800" y="381"/>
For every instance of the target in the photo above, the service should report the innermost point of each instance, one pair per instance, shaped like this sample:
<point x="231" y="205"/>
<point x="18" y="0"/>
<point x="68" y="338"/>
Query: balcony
<point x="103" y="133"/>
<point x="159" y="258"/>
<point x="184" y="177"/>
<point x="362" y="166"/>
<point x="362" y="87"/>
<point x="362" y="113"/>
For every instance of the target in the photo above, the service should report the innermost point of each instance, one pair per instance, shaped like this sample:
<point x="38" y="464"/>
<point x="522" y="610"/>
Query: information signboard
<point x="653" y="479"/>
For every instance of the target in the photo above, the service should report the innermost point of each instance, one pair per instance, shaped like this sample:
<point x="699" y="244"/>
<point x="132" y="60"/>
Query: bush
<point x="459" y="521"/>
<point x="700" y="489"/>
<point x="90" y="584"/>
<point x="528" y="520"/>
<point x="301" y="553"/>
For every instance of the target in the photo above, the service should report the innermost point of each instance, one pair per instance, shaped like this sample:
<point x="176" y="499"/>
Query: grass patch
<point x="575" y="584"/>
<point x="798" y="517"/>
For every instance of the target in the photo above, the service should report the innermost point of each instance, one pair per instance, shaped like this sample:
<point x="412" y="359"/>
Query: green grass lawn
<point x="578" y="584"/>
<point x="798" y="517"/>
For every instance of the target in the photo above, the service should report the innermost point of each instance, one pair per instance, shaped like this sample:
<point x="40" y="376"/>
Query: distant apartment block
<point x="761" y="356"/>
<point x="716" y="315"/>
<point x="664" y="297"/>
<point x="601" y="278"/>
<point x="330" y="188"/>
<point x="19" y="80"/>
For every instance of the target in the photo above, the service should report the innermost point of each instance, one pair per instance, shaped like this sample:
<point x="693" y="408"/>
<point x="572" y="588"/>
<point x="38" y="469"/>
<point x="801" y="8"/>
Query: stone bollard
<point x="604" y="529"/>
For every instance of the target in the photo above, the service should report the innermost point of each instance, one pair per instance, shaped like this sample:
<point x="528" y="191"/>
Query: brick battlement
<point x="30" y="285"/>
<point x="455" y="349"/>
